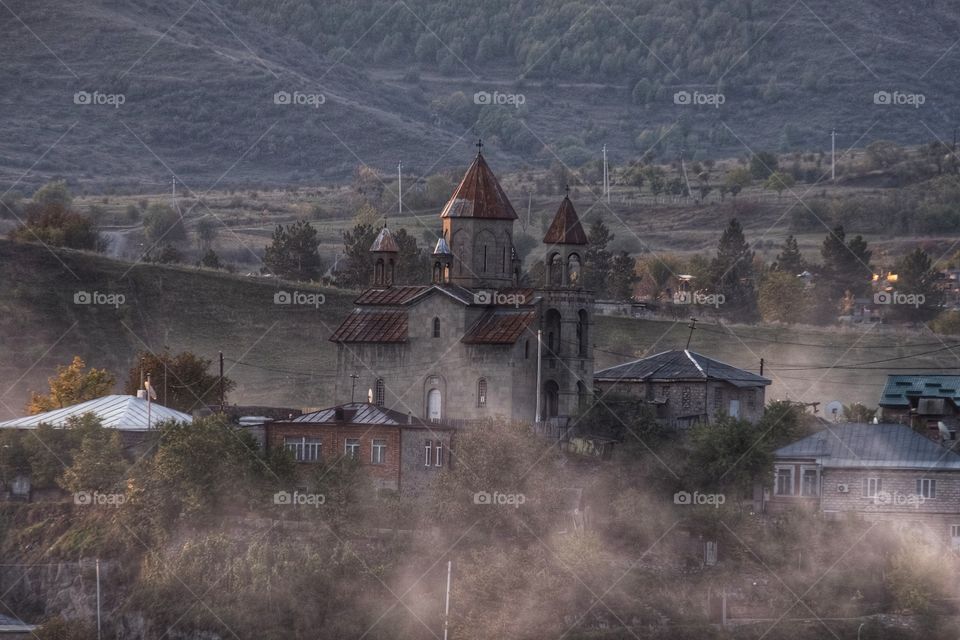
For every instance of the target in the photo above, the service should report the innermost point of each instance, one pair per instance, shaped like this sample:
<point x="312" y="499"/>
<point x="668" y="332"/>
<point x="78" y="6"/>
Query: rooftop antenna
<point x="399" y="189"/>
<point x="606" y="175"/>
<point x="833" y="155"/>
<point x="353" y="385"/>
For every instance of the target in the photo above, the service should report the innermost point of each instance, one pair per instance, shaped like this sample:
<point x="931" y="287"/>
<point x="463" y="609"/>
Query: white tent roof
<point x="126" y="413"/>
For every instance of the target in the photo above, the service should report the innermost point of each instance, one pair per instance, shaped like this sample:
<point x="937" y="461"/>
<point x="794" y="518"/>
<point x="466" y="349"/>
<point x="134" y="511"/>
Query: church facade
<point x="474" y="342"/>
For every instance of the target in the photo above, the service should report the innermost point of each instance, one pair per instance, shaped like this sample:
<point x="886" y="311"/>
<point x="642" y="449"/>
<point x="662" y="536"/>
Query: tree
<point x="206" y="229"/>
<point x="73" y="384"/>
<point x="857" y="412"/>
<point x="737" y="179"/>
<point x="413" y="263"/>
<point x="54" y="192"/>
<point x="293" y="254"/>
<point x="210" y="260"/>
<point x="845" y="266"/>
<point x="883" y="154"/>
<point x="917" y="285"/>
<point x="597" y="258"/>
<point x="162" y="224"/>
<point x="660" y="269"/>
<point x="622" y="277"/>
<point x="789" y="260"/>
<point x="98" y="462"/>
<point x="54" y="223"/>
<point x="357" y="266"/>
<point x="781" y="297"/>
<point x="763" y="164"/>
<point x="13" y="456"/>
<point x="778" y="181"/>
<point x="182" y="381"/>
<point x="731" y="272"/>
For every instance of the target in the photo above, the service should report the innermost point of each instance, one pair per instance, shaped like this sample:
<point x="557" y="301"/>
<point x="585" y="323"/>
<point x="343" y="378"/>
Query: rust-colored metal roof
<point x="566" y="227"/>
<point x="500" y="326"/>
<point x="384" y="243"/>
<point x="372" y="326"/>
<point x="479" y="196"/>
<point x="390" y="295"/>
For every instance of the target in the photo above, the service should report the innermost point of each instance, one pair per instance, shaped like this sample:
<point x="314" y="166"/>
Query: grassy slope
<point x="184" y="308"/>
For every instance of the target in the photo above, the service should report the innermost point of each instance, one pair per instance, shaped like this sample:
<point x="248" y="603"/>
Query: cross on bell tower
<point x="479" y="145"/>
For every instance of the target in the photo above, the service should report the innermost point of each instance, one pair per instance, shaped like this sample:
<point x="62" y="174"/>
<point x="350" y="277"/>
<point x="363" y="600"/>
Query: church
<point x="474" y="343"/>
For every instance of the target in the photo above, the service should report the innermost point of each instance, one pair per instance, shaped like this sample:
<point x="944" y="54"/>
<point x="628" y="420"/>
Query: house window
<point x="809" y="482"/>
<point x="685" y="398"/>
<point x="304" y="449"/>
<point x="438" y="454"/>
<point x="378" y="453"/>
<point x="751" y="399"/>
<point x="526" y="350"/>
<point x="955" y="536"/>
<point x="351" y="448"/>
<point x="871" y="487"/>
<point x="380" y="392"/>
<point x="427" y="453"/>
<point x="784" y="481"/>
<point x="436" y="327"/>
<point x="482" y="392"/>
<point x="718" y="400"/>
<point x="927" y="488"/>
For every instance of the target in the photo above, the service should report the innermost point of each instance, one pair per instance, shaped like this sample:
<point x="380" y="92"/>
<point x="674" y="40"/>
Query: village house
<point x="880" y="472"/>
<point x="687" y="388"/>
<point x="400" y="452"/>
<point x="475" y="342"/>
<point x="928" y="403"/>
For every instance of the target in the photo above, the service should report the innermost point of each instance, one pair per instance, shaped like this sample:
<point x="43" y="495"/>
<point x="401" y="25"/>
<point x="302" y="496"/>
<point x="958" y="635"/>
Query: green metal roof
<point x="900" y="388"/>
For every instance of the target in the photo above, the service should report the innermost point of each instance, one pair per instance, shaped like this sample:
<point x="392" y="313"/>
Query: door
<point x="433" y="405"/>
<point x="734" y="408"/>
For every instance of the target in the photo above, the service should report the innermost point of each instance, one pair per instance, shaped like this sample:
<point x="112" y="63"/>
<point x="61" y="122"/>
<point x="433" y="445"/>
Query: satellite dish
<point x="835" y="410"/>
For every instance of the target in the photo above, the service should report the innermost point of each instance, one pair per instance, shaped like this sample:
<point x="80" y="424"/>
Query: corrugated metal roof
<point x="871" y="445"/>
<point x="479" y="195"/>
<point x="126" y="413"/>
<point x="900" y="388"/>
<point x="680" y="365"/>
<point x="365" y="413"/>
<point x="500" y="326"/>
<point x="566" y="227"/>
<point x="372" y="326"/>
<point x="390" y="295"/>
<point x="384" y="242"/>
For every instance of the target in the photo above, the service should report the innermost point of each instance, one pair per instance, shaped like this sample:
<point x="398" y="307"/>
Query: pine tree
<point x="789" y="260"/>
<point x="597" y="258"/>
<point x="732" y="272"/>
<point x="293" y="253"/>
<point x="917" y="278"/>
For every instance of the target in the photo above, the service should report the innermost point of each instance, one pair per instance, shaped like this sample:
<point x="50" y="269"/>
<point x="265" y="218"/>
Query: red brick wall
<point x="334" y="438"/>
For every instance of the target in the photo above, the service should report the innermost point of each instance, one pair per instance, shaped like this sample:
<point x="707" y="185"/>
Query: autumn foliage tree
<point x="73" y="384"/>
<point x="182" y="381"/>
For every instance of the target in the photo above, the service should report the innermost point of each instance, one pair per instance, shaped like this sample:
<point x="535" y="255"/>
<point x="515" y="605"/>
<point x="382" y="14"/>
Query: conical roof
<point x="479" y="195"/>
<point x="566" y="227"/>
<point x="442" y="248"/>
<point x="384" y="243"/>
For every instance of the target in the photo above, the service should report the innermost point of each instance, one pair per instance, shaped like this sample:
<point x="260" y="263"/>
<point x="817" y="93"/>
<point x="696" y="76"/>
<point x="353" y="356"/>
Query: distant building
<point x="399" y="451"/>
<point x="879" y="472"/>
<point x="930" y="404"/>
<point x="464" y="347"/>
<point x="687" y="388"/>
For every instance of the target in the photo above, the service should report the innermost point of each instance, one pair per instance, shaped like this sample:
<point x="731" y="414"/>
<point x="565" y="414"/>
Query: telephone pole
<point x="692" y="325"/>
<point x="446" y="614"/>
<point x="400" y="189"/>
<point x="606" y="175"/>
<point x="221" y="383"/>
<point x="833" y="155"/>
<point x="353" y="385"/>
<point x="539" y="368"/>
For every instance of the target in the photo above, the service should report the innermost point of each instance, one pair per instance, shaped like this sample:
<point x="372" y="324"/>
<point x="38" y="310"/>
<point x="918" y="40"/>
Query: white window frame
<point x="351" y="448"/>
<point x="378" y="451"/>
<point x="776" y="480"/>
<point x="427" y="452"/>
<point x="304" y="449"/>
<point x="927" y="488"/>
<point x="438" y="451"/>
<point x="482" y="393"/>
<point x="955" y="536"/>
<point x="816" y="481"/>
<point x="379" y="392"/>
<point x="866" y="487"/>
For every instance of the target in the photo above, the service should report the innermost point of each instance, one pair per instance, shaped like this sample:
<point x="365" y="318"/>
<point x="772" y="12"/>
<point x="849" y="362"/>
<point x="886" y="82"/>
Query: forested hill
<point x="398" y="80"/>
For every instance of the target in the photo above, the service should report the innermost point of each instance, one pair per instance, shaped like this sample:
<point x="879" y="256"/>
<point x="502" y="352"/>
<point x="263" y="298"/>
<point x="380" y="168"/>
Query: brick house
<point x="400" y="452"/>
<point x="923" y="402"/>
<point x="879" y="472"/>
<point x="686" y="387"/>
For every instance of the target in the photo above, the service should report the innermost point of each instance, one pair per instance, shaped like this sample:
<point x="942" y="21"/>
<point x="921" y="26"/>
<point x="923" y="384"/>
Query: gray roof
<point x="900" y="388"/>
<point x="365" y="413"/>
<point x="680" y="365"/>
<point x="872" y="445"/>
<point x="126" y="413"/>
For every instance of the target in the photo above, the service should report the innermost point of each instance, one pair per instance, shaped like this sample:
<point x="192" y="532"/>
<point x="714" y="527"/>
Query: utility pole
<point x="142" y="363"/>
<point x="606" y="176"/>
<point x="353" y="385"/>
<point x="99" y="633"/>
<point x="692" y="325"/>
<point x="399" y="189"/>
<point x="833" y="155"/>
<point x="165" y="382"/>
<point x="539" y="368"/>
<point x="446" y="614"/>
<point x="221" y="383"/>
<point x="761" y="366"/>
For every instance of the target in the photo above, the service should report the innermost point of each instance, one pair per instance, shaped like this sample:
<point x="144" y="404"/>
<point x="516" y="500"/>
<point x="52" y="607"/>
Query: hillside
<point x="398" y="80"/>
<point x="289" y="361"/>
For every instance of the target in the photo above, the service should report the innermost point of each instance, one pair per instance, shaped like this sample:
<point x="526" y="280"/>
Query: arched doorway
<point x="434" y="407"/>
<point x="551" y="399"/>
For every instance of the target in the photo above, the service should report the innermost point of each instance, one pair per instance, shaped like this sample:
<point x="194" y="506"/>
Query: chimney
<point x="338" y="414"/>
<point x="409" y="417"/>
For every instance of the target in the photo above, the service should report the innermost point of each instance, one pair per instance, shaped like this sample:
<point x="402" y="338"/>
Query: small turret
<point x="564" y="239"/>
<point x="385" y="252"/>
<point x="442" y="259"/>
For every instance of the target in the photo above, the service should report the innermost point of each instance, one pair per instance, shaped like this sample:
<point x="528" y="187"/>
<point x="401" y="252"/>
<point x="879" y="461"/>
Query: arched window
<point x="437" y="273"/>
<point x="379" y="392"/>
<point x="583" y="340"/>
<point x="555" y="270"/>
<point x="526" y="350"/>
<point x="378" y="272"/>
<point x="484" y="270"/>
<point x="436" y="327"/>
<point x="391" y="272"/>
<point x="573" y="269"/>
<point x="581" y="396"/>
<point x="482" y="392"/>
